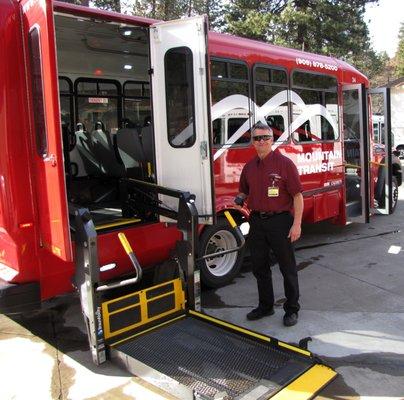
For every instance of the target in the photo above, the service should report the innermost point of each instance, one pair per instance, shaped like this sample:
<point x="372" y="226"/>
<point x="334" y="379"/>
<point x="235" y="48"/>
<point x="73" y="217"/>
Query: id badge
<point x="273" y="191"/>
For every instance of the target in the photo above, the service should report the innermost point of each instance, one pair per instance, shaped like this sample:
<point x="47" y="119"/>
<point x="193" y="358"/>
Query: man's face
<point x="262" y="140"/>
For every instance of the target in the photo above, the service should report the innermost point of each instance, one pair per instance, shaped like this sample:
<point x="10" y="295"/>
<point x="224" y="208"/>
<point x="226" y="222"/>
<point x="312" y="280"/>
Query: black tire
<point x="394" y="192"/>
<point x="221" y="270"/>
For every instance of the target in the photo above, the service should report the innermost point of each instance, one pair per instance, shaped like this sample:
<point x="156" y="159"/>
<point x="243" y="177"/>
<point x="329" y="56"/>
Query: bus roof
<point x="231" y="46"/>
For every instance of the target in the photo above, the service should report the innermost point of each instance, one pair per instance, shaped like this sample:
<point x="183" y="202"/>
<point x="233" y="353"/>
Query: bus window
<point x="178" y="64"/>
<point x="230" y="78"/>
<point x="268" y="82"/>
<point x="136" y="104"/>
<point x="233" y="124"/>
<point x="316" y="89"/>
<point x="37" y="92"/>
<point x="97" y="102"/>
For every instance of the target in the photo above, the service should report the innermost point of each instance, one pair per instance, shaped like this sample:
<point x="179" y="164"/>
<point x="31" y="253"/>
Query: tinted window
<point x="178" y="65"/>
<point x="319" y="90"/>
<point x="270" y="82"/>
<point x="230" y="78"/>
<point x="313" y="81"/>
<point x="37" y="92"/>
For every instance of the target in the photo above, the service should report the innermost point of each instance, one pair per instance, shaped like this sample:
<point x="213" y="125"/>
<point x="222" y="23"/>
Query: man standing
<point x="270" y="182"/>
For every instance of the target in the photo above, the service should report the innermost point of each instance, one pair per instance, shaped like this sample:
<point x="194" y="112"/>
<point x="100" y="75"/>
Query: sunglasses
<point x="262" y="137"/>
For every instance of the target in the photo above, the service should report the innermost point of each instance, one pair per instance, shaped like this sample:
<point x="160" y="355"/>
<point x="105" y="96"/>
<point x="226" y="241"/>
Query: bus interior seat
<point x="86" y="151"/>
<point x="130" y="151"/>
<point x="105" y="152"/>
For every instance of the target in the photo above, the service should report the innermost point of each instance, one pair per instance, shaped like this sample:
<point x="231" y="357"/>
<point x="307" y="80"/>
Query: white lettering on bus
<point x="316" y="64"/>
<point x="317" y="161"/>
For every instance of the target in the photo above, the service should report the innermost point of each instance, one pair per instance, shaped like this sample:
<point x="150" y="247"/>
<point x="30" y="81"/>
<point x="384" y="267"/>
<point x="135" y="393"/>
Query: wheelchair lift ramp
<point x="198" y="357"/>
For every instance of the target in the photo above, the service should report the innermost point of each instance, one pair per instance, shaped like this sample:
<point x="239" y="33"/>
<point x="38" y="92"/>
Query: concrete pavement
<point x="352" y="287"/>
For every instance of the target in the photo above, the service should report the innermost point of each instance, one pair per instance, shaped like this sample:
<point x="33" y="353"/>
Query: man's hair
<point x="261" y="126"/>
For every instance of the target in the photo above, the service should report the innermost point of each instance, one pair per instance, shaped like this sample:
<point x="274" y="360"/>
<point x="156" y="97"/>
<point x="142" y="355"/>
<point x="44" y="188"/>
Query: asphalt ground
<point x="352" y="307"/>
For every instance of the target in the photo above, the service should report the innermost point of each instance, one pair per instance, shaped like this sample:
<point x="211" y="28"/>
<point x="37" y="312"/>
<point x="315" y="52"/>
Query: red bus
<point x="93" y="98"/>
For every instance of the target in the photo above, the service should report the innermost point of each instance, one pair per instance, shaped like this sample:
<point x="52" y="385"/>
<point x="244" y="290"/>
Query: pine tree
<point x="400" y="52"/>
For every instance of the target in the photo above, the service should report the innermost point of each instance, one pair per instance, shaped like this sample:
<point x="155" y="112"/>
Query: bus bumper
<point x="19" y="297"/>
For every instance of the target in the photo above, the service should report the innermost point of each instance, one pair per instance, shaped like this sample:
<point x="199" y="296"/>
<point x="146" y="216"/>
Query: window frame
<point x="70" y="95"/>
<point x="336" y="91"/>
<point x="288" y="80"/>
<point x="248" y="81"/>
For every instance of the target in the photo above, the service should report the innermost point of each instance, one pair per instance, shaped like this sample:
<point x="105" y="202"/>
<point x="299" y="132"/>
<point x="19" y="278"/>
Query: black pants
<point x="272" y="233"/>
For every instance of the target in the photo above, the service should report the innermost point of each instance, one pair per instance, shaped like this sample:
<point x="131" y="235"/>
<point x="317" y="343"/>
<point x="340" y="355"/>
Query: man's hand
<point x="295" y="232"/>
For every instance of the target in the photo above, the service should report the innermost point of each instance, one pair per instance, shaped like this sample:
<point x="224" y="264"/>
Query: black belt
<point x="267" y="214"/>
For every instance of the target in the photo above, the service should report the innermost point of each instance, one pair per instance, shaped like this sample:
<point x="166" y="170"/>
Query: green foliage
<point x="331" y="27"/>
<point x="174" y="9"/>
<point x="400" y="52"/>
<point x="111" y="5"/>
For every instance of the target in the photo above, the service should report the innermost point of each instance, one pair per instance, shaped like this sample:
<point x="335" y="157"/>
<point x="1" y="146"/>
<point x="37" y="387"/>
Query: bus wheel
<point x="220" y="270"/>
<point x="394" y="191"/>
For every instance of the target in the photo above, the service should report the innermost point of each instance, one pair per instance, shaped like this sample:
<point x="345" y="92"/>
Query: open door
<point x="382" y="150"/>
<point x="356" y="153"/>
<point x="181" y="110"/>
<point x="39" y="47"/>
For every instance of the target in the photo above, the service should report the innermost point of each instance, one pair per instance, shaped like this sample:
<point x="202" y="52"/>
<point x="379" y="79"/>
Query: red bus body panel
<point x="26" y="252"/>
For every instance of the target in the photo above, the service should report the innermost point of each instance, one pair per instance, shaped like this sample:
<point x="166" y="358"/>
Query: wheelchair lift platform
<point x="159" y="334"/>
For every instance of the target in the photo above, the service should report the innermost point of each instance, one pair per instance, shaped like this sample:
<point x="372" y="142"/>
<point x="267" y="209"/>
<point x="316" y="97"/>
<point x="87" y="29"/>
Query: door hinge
<point x="150" y="71"/>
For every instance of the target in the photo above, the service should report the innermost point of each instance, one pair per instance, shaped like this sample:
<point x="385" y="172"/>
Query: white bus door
<point x="356" y="153"/>
<point x="181" y="110"/>
<point x="382" y="152"/>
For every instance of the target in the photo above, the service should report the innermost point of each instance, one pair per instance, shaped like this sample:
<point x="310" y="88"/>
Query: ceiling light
<point x="128" y="66"/>
<point x="127" y="33"/>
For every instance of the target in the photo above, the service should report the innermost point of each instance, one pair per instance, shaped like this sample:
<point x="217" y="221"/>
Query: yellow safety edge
<point x="251" y="333"/>
<point x="117" y="223"/>
<point x="307" y="385"/>
<point x="125" y="243"/>
<point x="231" y="220"/>
<point x="143" y="302"/>
<point x="229" y="325"/>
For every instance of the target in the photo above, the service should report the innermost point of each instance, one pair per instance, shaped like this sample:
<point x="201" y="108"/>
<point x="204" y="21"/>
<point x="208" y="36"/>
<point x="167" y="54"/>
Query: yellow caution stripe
<point x="119" y="222"/>
<point x="307" y="385"/>
<point x="294" y="348"/>
<point x="231" y="326"/>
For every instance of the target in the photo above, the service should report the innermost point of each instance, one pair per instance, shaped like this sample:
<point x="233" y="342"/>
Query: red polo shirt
<point x="275" y="170"/>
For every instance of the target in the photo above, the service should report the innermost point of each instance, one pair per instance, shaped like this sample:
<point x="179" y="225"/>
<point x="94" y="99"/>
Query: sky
<point x="384" y="24"/>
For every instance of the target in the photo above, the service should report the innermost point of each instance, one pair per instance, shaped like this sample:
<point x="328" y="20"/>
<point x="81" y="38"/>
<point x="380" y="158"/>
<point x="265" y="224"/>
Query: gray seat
<point x="130" y="151"/>
<point x="86" y="151"/>
<point x="104" y="152"/>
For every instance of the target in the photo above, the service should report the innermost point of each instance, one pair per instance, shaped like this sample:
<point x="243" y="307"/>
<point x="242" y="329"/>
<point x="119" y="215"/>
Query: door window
<point x="37" y="91"/>
<point x="178" y="63"/>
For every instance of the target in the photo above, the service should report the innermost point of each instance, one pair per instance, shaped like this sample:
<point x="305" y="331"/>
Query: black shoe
<point x="290" y="319"/>
<point x="259" y="313"/>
